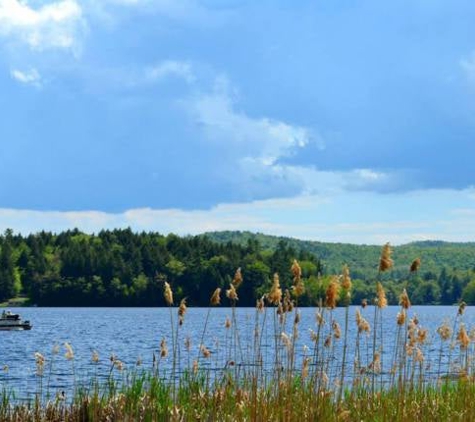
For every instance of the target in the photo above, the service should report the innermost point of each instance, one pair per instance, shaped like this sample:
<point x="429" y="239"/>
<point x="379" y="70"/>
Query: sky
<point x="340" y="121"/>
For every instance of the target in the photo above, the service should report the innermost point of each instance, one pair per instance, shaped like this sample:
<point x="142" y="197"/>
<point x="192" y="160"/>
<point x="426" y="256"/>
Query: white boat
<point x="11" y="321"/>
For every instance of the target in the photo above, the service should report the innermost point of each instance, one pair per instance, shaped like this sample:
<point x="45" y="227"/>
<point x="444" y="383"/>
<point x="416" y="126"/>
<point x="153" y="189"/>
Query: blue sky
<point x="325" y="120"/>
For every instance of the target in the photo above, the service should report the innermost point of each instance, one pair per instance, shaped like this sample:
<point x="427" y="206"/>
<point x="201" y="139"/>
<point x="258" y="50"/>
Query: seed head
<point x="216" y="297"/>
<point x="260" y="304"/>
<point x="404" y="300"/>
<point x="345" y="278"/>
<point x="168" y="294"/>
<point x="381" y="300"/>
<point x="95" y="356"/>
<point x="182" y="311"/>
<point x="332" y="293"/>
<point x="231" y="293"/>
<point x="463" y="338"/>
<point x="401" y="317"/>
<point x="462" y="308"/>
<point x="336" y="330"/>
<point x="416" y="264"/>
<point x="206" y="353"/>
<point x="69" y="351"/>
<point x="163" y="348"/>
<point x="227" y="323"/>
<point x="385" y="262"/>
<point x="237" y="280"/>
<point x="296" y="271"/>
<point x="275" y="294"/>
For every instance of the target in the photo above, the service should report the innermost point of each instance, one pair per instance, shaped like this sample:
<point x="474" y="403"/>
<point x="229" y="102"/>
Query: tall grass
<point x="250" y="376"/>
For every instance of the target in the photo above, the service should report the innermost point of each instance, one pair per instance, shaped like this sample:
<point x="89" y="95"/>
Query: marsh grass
<point x="238" y="379"/>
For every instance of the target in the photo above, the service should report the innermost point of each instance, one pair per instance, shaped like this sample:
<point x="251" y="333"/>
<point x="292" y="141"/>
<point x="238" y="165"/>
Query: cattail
<point x="275" y="294"/>
<point x="168" y="294"/>
<point x="401" y="318"/>
<point x="345" y="279"/>
<point x="364" y="303"/>
<point x="404" y="300"/>
<point x="381" y="300"/>
<point x="227" y="323"/>
<point x="332" y="293"/>
<point x="319" y="317"/>
<point x="328" y="341"/>
<point x="216" y="297"/>
<point x="182" y="311"/>
<point x="95" y="356"/>
<point x="463" y="338"/>
<point x="237" y="280"/>
<point x="462" y="308"/>
<point x="416" y="264"/>
<point x="297" y="318"/>
<point x="385" y="262"/>
<point x="195" y="367"/>
<point x="231" y="293"/>
<point x="69" y="351"/>
<point x="163" y="348"/>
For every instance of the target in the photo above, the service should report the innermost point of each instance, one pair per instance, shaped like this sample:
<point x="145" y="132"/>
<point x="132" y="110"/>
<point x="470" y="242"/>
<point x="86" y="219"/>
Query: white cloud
<point x="52" y="26"/>
<point x="28" y="77"/>
<point x="260" y="139"/>
<point x="169" y="68"/>
<point x="356" y="217"/>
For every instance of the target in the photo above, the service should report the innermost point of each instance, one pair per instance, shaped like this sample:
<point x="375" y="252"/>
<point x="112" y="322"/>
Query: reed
<point x="277" y="379"/>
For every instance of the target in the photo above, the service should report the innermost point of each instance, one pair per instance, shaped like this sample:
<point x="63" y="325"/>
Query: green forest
<point x="123" y="268"/>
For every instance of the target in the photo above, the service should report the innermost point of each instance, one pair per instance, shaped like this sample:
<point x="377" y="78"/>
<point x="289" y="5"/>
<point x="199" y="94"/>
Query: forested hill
<point x="123" y="268"/>
<point x="364" y="259"/>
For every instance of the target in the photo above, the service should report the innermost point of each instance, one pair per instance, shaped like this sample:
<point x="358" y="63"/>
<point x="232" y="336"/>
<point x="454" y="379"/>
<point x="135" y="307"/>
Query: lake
<point x="133" y="334"/>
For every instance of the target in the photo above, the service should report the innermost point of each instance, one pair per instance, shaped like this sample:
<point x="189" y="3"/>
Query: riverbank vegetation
<point x="122" y="268"/>
<point x="422" y="376"/>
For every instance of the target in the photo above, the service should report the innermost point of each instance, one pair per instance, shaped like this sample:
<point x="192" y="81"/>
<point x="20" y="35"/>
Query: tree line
<point x="123" y="268"/>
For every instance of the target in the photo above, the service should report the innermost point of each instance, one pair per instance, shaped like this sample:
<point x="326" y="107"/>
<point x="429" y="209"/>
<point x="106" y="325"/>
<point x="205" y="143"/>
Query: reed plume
<point x="404" y="300"/>
<point x="237" y="280"/>
<point x="168" y="294"/>
<point x="416" y="264"/>
<point x="231" y="293"/>
<point x="381" y="300"/>
<point x="275" y="295"/>
<point x="216" y="297"/>
<point x="332" y="292"/>
<point x="182" y="311"/>
<point x="385" y="262"/>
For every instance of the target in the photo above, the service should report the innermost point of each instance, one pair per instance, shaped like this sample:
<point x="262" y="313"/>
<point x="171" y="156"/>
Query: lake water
<point x="135" y="333"/>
